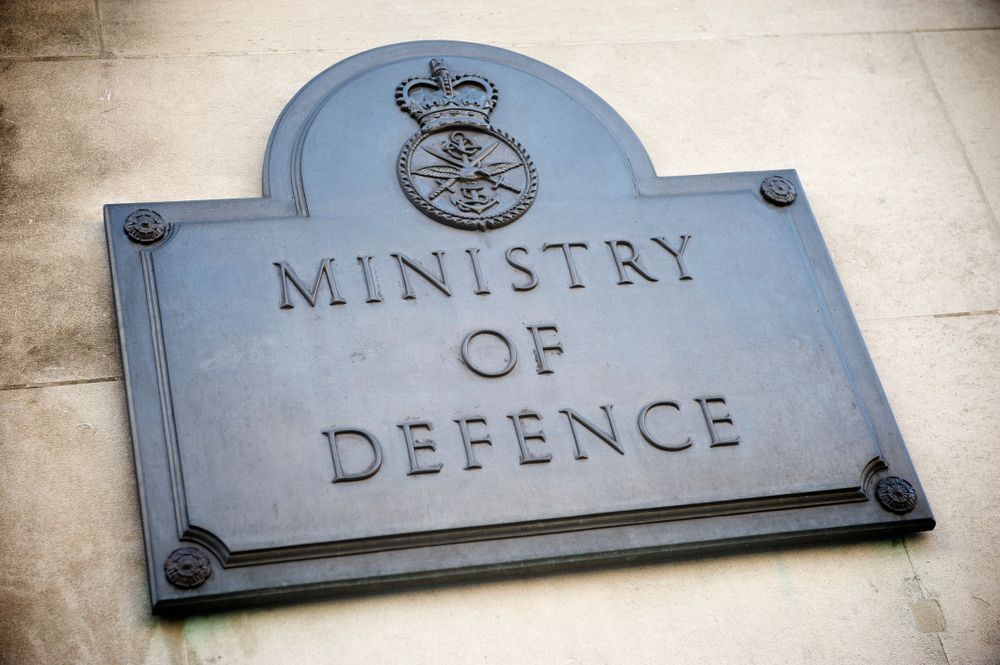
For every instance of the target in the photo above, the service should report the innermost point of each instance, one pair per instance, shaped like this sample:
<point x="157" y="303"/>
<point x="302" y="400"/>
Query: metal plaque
<point x="466" y="330"/>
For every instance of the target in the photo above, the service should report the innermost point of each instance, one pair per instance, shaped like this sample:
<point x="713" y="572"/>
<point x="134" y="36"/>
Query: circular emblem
<point x="187" y="567"/>
<point x="779" y="191"/>
<point x="145" y="226"/>
<point x="468" y="177"/>
<point x="896" y="495"/>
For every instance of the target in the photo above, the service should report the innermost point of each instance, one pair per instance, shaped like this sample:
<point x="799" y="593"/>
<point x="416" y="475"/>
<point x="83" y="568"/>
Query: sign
<point x="467" y="330"/>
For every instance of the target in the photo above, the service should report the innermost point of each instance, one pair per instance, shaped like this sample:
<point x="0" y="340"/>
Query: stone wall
<point x="890" y="111"/>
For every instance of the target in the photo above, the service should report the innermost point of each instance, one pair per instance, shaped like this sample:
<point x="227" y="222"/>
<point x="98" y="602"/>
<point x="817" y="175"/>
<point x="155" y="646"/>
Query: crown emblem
<point x="459" y="169"/>
<point x="444" y="99"/>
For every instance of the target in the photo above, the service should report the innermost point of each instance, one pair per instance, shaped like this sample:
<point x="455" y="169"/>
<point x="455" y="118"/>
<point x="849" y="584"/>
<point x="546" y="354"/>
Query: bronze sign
<point x="460" y="358"/>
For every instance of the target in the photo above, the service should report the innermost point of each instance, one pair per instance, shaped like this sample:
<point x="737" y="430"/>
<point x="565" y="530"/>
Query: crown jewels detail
<point x="444" y="99"/>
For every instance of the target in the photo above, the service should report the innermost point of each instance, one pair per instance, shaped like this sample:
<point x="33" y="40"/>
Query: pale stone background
<point x="889" y="110"/>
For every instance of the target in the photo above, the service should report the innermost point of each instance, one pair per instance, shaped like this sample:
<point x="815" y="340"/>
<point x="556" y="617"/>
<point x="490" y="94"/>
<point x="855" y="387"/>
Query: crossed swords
<point x="475" y="161"/>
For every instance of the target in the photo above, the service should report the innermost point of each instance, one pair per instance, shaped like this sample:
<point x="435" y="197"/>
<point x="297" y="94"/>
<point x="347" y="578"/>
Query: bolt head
<point x="896" y="495"/>
<point x="145" y="226"/>
<point x="187" y="567"/>
<point x="778" y="190"/>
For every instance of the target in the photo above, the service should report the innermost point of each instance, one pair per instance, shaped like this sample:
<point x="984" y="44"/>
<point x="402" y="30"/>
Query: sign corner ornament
<point x="320" y="403"/>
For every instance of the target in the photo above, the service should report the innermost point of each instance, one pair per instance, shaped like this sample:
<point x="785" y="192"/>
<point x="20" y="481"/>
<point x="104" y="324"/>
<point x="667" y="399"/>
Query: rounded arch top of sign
<point x="470" y="136"/>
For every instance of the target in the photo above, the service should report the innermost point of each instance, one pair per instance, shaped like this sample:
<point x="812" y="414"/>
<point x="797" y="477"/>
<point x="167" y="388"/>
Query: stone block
<point x="824" y="604"/>
<point x="965" y="67"/>
<point x="73" y="582"/>
<point x="941" y="376"/>
<point x="59" y="313"/>
<point x="48" y="29"/>
<point x="231" y="26"/>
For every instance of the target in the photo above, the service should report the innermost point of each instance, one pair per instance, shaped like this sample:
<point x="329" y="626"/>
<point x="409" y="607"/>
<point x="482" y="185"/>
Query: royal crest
<point x="458" y="169"/>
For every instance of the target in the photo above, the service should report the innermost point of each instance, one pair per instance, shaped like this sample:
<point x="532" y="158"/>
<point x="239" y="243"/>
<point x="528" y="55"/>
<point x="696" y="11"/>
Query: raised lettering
<point x="412" y="446"/>
<point x="632" y="261"/>
<point x="541" y="347"/>
<point x="341" y="476"/>
<point x="609" y="438"/>
<point x="482" y="288"/>
<point x="441" y="283"/>
<point x="468" y="441"/>
<point x="678" y="254"/>
<point x="528" y="457"/>
<point x="371" y="283"/>
<point x="644" y="426"/>
<point x="511" y="353"/>
<point x="286" y="274"/>
<point x="567" y="250"/>
<point x="532" y="277"/>
<point x="712" y="420"/>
